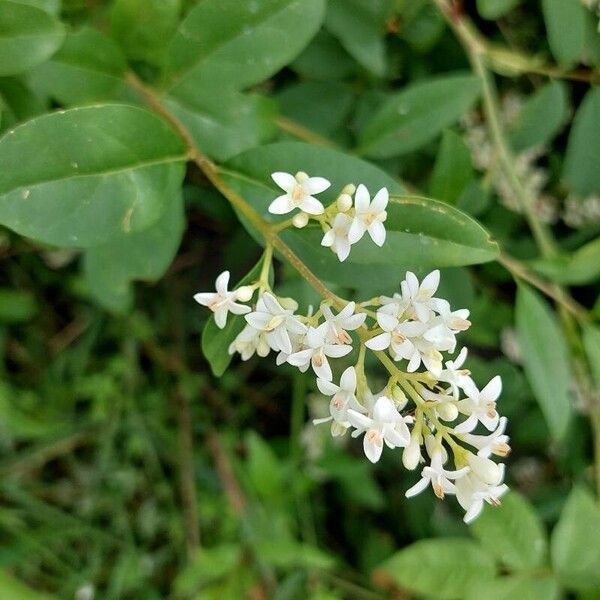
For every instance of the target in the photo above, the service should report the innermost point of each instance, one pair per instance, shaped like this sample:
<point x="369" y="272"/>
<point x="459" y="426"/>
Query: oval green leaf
<point x="28" y="36"/>
<point x="90" y="173"/>
<point x="565" y="24"/>
<point x="416" y="115"/>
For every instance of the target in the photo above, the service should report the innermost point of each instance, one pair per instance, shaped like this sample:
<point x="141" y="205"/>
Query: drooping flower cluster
<point x="430" y="408"/>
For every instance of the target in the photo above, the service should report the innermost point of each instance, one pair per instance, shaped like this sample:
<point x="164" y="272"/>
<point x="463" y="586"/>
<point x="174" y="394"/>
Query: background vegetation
<point x="128" y="468"/>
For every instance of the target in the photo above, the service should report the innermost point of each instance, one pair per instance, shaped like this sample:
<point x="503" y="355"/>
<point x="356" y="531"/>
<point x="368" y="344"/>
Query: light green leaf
<point x="360" y="27"/>
<point x="233" y="44"/>
<point x="416" y="115"/>
<point x="453" y="169"/>
<point x="442" y="568"/>
<point x="575" y="543"/>
<point x="494" y="9"/>
<point x="513" y="533"/>
<point x="511" y="587"/>
<point x="541" y="117"/>
<point x="28" y="36"/>
<point x="580" y="268"/>
<point x="287" y="553"/>
<point x="90" y="173"/>
<point x="591" y="341"/>
<point x="145" y="255"/>
<point x="224" y="123"/>
<point x="16" y="590"/>
<point x="89" y="67"/>
<point x="143" y="27"/>
<point x="16" y="306"/>
<point x="565" y="24"/>
<point x="582" y="160"/>
<point x="545" y="359"/>
<point x="50" y="6"/>
<point x="215" y="341"/>
<point x="420" y="232"/>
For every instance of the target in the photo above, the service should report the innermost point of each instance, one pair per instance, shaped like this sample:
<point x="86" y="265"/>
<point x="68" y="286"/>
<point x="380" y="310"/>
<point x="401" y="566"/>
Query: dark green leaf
<point x="440" y="568"/>
<point x="494" y="9"/>
<point x="565" y="24"/>
<point x="324" y="59"/>
<point x="513" y="534"/>
<point x="591" y="341"/>
<point x="575" y="545"/>
<point x="28" y="36"/>
<point x="520" y="586"/>
<point x="264" y="470"/>
<point x="545" y="359"/>
<point x="416" y="115"/>
<point x="16" y="306"/>
<point x="90" y="173"/>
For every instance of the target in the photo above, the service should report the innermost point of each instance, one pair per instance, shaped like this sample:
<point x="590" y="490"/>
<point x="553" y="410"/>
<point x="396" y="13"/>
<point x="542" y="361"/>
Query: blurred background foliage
<point x="127" y="470"/>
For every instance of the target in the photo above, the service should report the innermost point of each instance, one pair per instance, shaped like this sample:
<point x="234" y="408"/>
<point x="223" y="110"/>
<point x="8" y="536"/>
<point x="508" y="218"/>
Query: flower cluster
<point x="344" y="222"/>
<point x="430" y="408"/>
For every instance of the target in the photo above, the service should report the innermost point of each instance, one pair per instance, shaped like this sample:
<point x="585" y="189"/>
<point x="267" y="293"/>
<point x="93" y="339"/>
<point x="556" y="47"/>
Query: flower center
<point x="297" y="194"/>
<point x="374" y="437"/>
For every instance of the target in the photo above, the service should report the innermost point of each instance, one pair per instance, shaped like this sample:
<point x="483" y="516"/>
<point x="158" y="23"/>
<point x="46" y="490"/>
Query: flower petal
<point x="312" y="206"/>
<point x="285" y="181"/>
<point x="379" y="342"/>
<point x="316" y="185"/>
<point x="281" y="205"/>
<point x="362" y="199"/>
<point x="356" y="231"/>
<point x="419" y="487"/>
<point x="222" y="282"/>
<point x="377" y="232"/>
<point x="380" y="201"/>
<point x="372" y="449"/>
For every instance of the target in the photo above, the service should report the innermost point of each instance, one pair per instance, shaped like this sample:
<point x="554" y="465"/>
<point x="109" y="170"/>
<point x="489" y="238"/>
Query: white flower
<point x="337" y="237"/>
<point x="472" y="492"/>
<point x="420" y="296"/>
<point x="386" y="425"/>
<point x="439" y="478"/>
<point x="369" y="215"/>
<point x="299" y="192"/>
<point x="317" y="351"/>
<point x="494" y="443"/>
<point x="344" y="321"/>
<point x="276" y="322"/>
<point x="481" y="407"/>
<point x="222" y="301"/>
<point x="343" y="398"/>
<point x="457" y="377"/>
<point x="249" y="341"/>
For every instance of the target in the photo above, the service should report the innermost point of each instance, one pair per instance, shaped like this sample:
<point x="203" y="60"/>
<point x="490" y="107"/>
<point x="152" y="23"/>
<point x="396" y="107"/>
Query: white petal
<point x="221" y="317"/>
<point x="354" y="322"/>
<point x="356" y="231"/>
<point x="379" y="342"/>
<point x="238" y="309"/>
<point x="384" y="410"/>
<point x="348" y="380"/>
<point x="323" y="370"/>
<point x="430" y="284"/>
<point x="342" y="249"/>
<point x="316" y="185"/>
<point x="380" y="201"/>
<point x="467" y="426"/>
<point x="474" y="511"/>
<point x="300" y="358"/>
<point x="377" y="232"/>
<point x="312" y="206"/>
<point x="492" y="390"/>
<point x="358" y="420"/>
<point x="336" y="351"/>
<point x="386" y="321"/>
<point x="205" y="298"/>
<point x="284" y="180"/>
<point x="413" y="283"/>
<point x="420" y="486"/>
<point x="281" y="205"/>
<point x="271" y="304"/>
<point x="327" y="388"/>
<point x="222" y="282"/>
<point x="362" y="199"/>
<point x="372" y="450"/>
<point x="283" y="340"/>
<point x="258" y="320"/>
<point x="328" y="238"/>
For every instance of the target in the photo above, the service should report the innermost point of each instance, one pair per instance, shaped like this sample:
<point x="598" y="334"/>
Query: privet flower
<point x="431" y="408"/>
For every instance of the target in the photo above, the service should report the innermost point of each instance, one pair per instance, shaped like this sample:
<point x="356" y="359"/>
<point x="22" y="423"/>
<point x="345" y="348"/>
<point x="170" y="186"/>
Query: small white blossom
<point x="337" y="237"/>
<point x="472" y="492"/>
<point x="495" y="443"/>
<point x="369" y="215"/>
<point x="457" y="377"/>
<point x="276" y="322"/>
<point x="439" y="478"/>
<point x="248" y="342"/>
<point x="385" y="425"/>
<point x="317" y="352"/>
<point x="343" y="398"/>
<point x="299" y="193"/>
<point x="481" y="407"/>
<point x="344" y="321"/>
<point x="222" y="301"/>
<point x="420" y="296"/>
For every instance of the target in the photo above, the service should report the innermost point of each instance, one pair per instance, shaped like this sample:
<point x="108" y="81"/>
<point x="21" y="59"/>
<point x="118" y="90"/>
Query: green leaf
<point x="442" y="568"/>
<point x="565" y="24"/>
<point x="264" y="469"/>
<point x="89" y="173"/>
<point x="28" y="36"/>
<point x="453" y="169"/>
<point x="511" y="587"/>
<point x="582" y="160"/>
<point x="226" y="123"/>
<point x="541" y="118"/>
<point x="50" y="6"/>
<point x="591" y="341"/>
<point x="494" y="9"/>
<point x="18" y="102"/>
<point x="421" y="232"/>
<point x="360" y="27"/>
<point x="287" y="554"/>
<point x="545" y="359"/>
<point x="575" y="543"/>
<point x="513" y="534"/>
<point x="143" y="26"/>
<point x="215" y="341"/>
<point x="89" y="67"/>
<point x="233" y="44"/>
<point x="145" y="255"/>
<point x="16" y="590"/>
<point x="580" y="268"/>
<point x="16" y="306"/>
<point x="416" y="115"/>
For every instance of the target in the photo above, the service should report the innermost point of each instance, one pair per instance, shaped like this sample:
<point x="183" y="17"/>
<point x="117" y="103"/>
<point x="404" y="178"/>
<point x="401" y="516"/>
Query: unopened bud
<point x="262" y="348"/>
<point x="344" y="202"/>
<point x="301" y="176"/>
<point x="288" y="303"/>
<point x="400" y="397"/>
<point x="412" y="453"/>
<point x="244" y="293"/>
<point x="484" y="468"/>
<point x="300" y="220"/>
<point x="349" y="189"/>
<point x="447" y="411"/>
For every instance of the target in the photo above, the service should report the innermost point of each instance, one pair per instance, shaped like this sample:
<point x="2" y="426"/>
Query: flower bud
<point x="399" y="397"/>
<point x="300" y="220"/>
<point x="288" y="303"/>
<point x="244" y="293"/>
<point x="301" y="176"/>
<point x="349" y="189"/>
<point x="412" y="453"/>
<point x="447" y="411"/>
<point x="344" y="202"/>
<point x="262" y="348"/>
<point x="484" y="468"/>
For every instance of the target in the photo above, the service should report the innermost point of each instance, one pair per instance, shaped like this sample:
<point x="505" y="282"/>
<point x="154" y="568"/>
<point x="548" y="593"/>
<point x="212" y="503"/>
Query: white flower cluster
<point x="344" y="222"/>
<point x="448" y="415"/>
